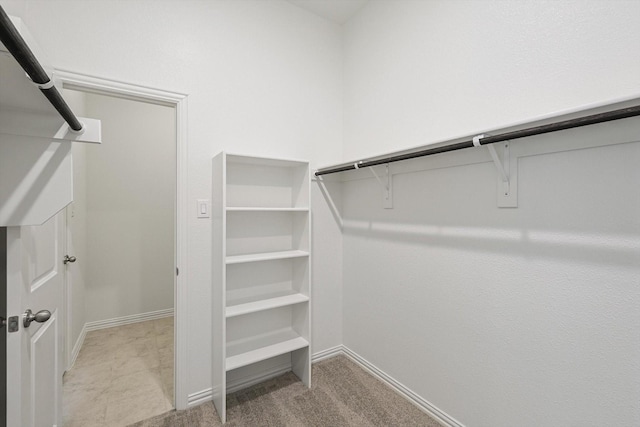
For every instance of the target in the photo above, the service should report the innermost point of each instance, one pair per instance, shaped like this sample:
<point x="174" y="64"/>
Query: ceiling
<point x="338" y="11"/>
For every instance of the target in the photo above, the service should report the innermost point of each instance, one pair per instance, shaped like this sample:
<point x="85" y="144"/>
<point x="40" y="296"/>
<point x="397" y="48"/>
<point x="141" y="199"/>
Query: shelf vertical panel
<point x="218" y="320"/>
<point x="301" y="365"/>
<point x="306" y="375"/>
<point x="301" y="314"/>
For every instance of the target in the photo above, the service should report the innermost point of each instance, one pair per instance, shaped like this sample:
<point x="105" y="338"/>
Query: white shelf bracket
<point x="507" y="197"/>
<point x="499" y="166"/>
<point x="387" y="186"/>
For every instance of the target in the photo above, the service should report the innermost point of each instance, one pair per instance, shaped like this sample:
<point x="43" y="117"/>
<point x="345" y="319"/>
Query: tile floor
<point x="121" y="376"/>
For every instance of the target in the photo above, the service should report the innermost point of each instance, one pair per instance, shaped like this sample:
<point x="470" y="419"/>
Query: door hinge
<point x="177" y="271"/>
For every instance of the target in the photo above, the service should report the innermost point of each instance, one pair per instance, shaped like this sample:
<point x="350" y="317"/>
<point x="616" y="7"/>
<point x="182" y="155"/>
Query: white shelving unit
<point x="261" y="267"/>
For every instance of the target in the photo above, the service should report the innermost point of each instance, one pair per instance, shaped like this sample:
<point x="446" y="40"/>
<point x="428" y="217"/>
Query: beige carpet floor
<point x="342" y="394"/>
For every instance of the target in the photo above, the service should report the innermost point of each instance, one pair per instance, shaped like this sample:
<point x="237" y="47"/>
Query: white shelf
<point x="265" y="256"/>
<point x="261" y="293"/>
<point x="263" y="348"/>
<point x="263" y="209"/>
<point x="265" y="304"/>
<point x="264" y="161"/>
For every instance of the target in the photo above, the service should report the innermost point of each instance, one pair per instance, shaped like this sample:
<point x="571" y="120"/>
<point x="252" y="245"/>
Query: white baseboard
<point x="239" y="384"/>
<point x="404" y="391"/>
<point x="197" y="398"/>
<point x="109" y="323"/>
<point x="328" y="353"/>
<point x="77" y="346"/>
<point x="248" y="381"/>
<point x="126" y="320"/>
<point x="424" y="405"/>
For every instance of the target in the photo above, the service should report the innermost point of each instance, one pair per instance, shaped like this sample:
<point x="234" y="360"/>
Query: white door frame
<point x="86" y="83"/>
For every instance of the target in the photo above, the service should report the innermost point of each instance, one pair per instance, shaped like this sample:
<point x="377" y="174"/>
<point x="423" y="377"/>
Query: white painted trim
<point x="248" y="381"/>
<point x="401" y="389"/>
<point x="604" y="135"/>
<point x="328" y="353"/>
<point x="197" y="398"/>
<point x="586" y="109"/>
<point x="241" y="383"/>
<point x="182" y="309"/>
<point x="109" y="323"/>
<point x="126" y="320"/>
<point x="70" y="353"/>
<point x="424" y="405"/>
<point x="88" y="83"/>
<point x="177" y="100"/>
<point x="205" y="395"/>
<point x="76" y="348"/>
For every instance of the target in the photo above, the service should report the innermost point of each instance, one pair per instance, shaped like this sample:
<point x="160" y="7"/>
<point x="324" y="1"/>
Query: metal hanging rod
<point x="622" y="113"/>
<point x="15" y="44"/>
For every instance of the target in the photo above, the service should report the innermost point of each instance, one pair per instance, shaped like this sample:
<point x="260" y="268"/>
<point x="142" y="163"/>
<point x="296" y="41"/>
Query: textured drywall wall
<point x="498" y="317"/>
<point x="14" y="7"/>
<point x="502" y="317"/>
<point x="262" y="78"/>
<point x="130" y="209"/>
<point x="417" y="71"/>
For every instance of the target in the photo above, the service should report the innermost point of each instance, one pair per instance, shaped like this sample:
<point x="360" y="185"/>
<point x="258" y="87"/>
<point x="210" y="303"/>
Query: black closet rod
<point x="622" y="113"/>
<point x="13" y="41"/>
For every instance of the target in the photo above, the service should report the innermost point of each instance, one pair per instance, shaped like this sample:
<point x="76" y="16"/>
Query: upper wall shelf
<point x="587" y="115"/>
<point x="36" y="169"/>
<point x="24" y="110"/>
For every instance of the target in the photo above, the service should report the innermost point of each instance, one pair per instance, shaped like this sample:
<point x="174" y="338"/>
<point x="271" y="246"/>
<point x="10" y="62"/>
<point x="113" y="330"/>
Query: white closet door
<point x="35" y="274"/>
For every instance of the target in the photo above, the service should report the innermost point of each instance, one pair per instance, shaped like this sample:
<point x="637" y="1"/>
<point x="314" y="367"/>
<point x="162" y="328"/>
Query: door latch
<point x="14" y="324"/>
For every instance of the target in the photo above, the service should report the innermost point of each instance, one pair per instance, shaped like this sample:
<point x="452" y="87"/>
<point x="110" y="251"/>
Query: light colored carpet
<point x="342" y="394"/>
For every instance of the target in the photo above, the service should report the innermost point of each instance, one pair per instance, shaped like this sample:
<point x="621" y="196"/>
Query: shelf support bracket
<point x="387" y="186"/>
<point x="501" y="167"/>
<point x="506" y="197"/>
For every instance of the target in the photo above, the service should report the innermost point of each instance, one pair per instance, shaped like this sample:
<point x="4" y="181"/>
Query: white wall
<point x="14" y="7"/>
<point x="499" y="317"/>
<point x="422" y="71"/>
<point x="263" y="78"/>
<point x="130" y="197"/>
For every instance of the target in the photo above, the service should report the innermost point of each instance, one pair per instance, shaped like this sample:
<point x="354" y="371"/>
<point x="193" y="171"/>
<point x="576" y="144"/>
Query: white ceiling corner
<point x="338" y="11"/>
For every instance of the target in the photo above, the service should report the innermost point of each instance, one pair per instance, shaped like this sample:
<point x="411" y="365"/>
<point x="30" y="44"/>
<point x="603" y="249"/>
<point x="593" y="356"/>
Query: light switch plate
<point x="203" y="208"/>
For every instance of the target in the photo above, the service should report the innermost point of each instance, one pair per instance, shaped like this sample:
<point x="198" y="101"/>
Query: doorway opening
<point x="123" y="246"/>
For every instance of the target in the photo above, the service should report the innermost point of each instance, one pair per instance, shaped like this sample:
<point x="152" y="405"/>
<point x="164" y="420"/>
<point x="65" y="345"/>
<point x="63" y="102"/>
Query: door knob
<point x="40" y="317"/>
<point x="68" y="258"/>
